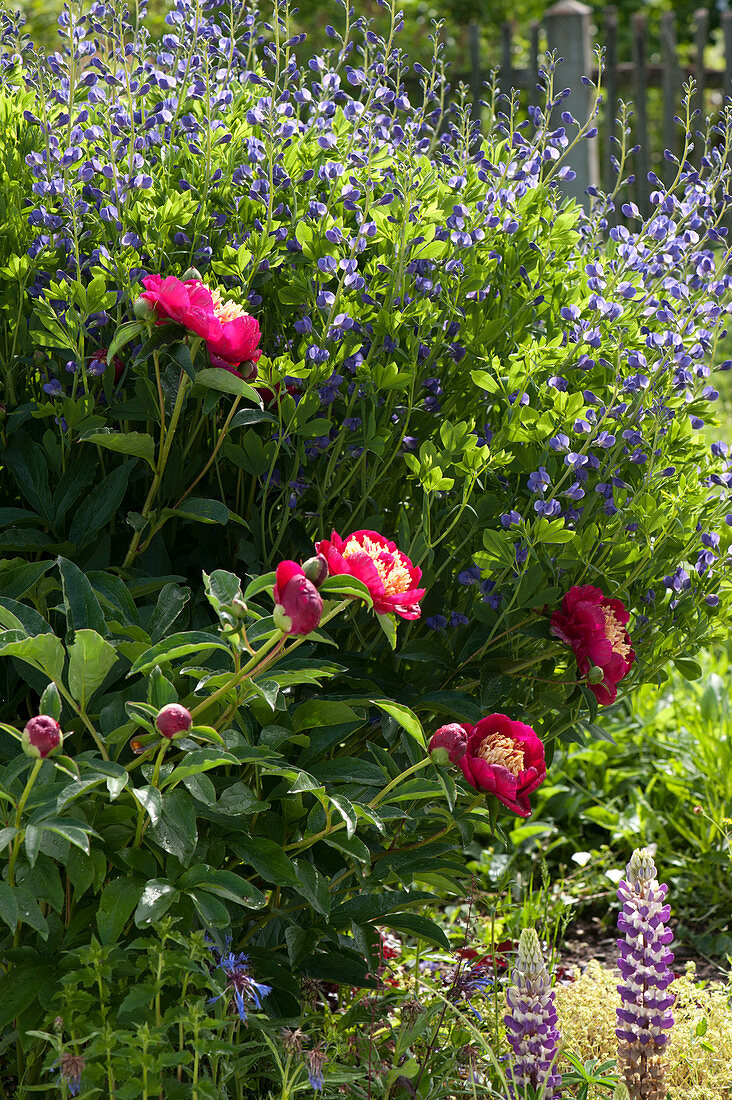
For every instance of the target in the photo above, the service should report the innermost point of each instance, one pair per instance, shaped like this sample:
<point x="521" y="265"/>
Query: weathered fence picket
<point x="567" y="29"/>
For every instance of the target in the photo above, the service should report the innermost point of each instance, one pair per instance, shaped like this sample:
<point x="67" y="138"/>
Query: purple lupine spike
<point x="644" y="1015"/>
<point x="531" y="1022"/>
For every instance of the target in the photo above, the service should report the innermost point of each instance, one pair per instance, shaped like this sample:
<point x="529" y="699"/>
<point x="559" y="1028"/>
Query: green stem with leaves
<point x="165" y="445"/>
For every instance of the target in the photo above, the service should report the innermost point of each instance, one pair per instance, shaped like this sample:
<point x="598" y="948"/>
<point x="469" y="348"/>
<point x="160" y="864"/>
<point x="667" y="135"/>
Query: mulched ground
<point x="589" y="937"/>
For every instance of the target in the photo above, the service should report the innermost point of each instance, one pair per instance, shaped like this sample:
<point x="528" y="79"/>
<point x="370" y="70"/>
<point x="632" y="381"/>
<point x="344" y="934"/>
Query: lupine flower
<point x="298" y="605"/>
<point x="644" y="1017"/>
<point x="388" y="574"/>
<point x="173" y="719"/>
<point x="531" y="1023"/>
<point x="595" y="627"/>
<point x="448" y="744"/>
<point x="41" y="736"/>
<point x="504" y="758"/>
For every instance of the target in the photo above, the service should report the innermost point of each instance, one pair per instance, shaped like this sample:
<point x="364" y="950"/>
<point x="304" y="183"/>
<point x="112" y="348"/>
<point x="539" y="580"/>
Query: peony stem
<point x="18" y="817"/>
<point x="166" y="442"/>
<point x="217" y="448"/>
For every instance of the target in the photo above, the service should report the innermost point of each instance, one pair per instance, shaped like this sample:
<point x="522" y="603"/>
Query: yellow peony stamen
<point x="504" y="751"/>
<point x="226" y="311"/>
<point x="615" y="634"/>
<point x="394" y="574"/>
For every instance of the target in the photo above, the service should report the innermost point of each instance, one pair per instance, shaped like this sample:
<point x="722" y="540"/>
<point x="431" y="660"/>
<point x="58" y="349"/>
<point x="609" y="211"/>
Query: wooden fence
<point x="567" y="28"/>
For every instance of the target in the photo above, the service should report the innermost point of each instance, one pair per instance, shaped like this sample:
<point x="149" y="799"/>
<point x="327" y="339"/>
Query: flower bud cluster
<point x="644" y="1016"/>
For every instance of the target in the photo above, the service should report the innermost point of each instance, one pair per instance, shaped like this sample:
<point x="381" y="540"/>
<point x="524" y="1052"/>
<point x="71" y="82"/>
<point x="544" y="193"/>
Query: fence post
<point x="568" y="33"/>
<point x="476" y="70"/>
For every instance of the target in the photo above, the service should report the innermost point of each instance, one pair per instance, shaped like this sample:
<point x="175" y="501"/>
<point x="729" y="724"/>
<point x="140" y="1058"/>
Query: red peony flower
<point x="298" y="604"/>
<point x="504" y="758"/>
<point x="387" y="573"/>
<point x="594" y="626"/>
<point x="231" y="335"/>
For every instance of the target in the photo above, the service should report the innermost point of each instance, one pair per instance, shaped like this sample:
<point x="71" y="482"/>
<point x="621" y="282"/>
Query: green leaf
<point x="224" y="381"/>
<point x="43" y="652"/>
<point x="171" y="601"/>
<point x="103" y="502"/>
<point x="157" y="897"/>
<point x="349" y="846"/>
<point x="313" y="886"/>
<point x="177" y="645"/>
<point x="690" y="670"/>
<point x="29" y="912"/>
<point x="150" y="800"/>
<point x="8" y="906"/>
<point x="160" y="691"/>
<point x="212" y="912"/>
<point x="267" y="858"/>
<point x="406" y="718"/>
<point x="322" y="712"/>
<point x="116" y="903"/>
<point x="139" y="444"/>
<point x="82" y="605"/>
<point x="259" y="584"/>
<point x="421" y="927"/>
<point x="175" y="830"/>
<point x="224" y="884"/>
<point x="197" y="762"/>
<point x="346" y="810"/>
<point x="19" y="989"/>
<point x="90" y="659"/>
<point x="51" y="702"/>
<point x="18" y="576"/>
<point x="246" y="417"/>
<point x="124" y="334"/>
<point x="388" y="625"/>
<point x="201" y="510"/>
<point x="343" y="585"/>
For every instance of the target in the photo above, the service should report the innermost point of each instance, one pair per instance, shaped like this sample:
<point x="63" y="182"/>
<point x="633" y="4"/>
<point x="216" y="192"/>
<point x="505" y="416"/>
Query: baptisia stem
<point x="166" y="443"/>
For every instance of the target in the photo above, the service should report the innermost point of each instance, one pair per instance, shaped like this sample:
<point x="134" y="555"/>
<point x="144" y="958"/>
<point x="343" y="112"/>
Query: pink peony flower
<point x="388" y="574"/>
<point x="298" y="605"/>
<point x="504" y="758"/>
<point x="231" y="335"/>
<point x="594" y="626"/>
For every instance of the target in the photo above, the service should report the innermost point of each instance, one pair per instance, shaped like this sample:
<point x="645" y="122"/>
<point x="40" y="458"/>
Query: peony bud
<point x="238" y="608"/>
<point x="316" y="569"/>
<point x="173" y="720"/>
<point x="41" y="736"/>
<point x="143" y="310"/>
<point x="191" y="275"/>
<point x="298" y="606"/>
<point x="449" y="744"/>
<point x="595" y="675"/>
